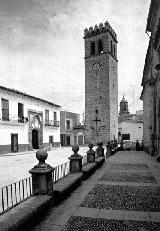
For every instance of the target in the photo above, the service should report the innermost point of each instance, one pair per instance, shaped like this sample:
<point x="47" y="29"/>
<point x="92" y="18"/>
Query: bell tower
<point x="123" y="107"/>
<point x="101" y="83"/>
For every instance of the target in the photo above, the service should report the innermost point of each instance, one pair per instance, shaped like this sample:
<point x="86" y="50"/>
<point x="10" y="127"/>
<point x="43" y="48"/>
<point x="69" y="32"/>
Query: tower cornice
<point x="88" y="33"/>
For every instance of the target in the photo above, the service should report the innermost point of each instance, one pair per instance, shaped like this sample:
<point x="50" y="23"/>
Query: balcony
<point x="13" y="119"/>
<point x="69" y="128"/>
<point x="53" y="123"/>
<point x="78" y="126"/>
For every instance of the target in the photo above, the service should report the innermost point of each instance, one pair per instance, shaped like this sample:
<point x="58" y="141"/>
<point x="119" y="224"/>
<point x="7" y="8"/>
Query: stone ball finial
<point x="75" y="149"/>
<point x="85" y="31"/>
<point x="90" y="146"/>
<point x="101" y="26"/>
<point x="100" y="143"/>
<point x="41" y="156"/>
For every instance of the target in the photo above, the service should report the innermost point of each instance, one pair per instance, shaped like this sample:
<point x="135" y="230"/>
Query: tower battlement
<point x="102" y="28"/>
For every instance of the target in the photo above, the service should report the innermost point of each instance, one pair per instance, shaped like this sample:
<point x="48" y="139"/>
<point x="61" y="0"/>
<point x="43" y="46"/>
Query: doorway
<point x="35" y="139"/>
<point x="51" y="141"/>
<point x="80" y="139"/>
<point x="68" y="140"/>
<point x="14" y="142"/>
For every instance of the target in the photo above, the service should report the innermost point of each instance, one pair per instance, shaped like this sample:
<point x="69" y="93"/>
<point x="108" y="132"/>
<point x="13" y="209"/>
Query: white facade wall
<point x="134" y="129"/>
<point x="50" y="132"/>
<point x="7" y="130"/>
<point x="9" y="127"/>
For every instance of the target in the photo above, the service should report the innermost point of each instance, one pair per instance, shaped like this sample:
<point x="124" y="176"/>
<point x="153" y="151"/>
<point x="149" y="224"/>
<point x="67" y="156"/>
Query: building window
<point x="125" y="136"/>
<point x="92" y="48"/>
<point x="100" y="47"/>
<point x="46" y="117"/>
<point x="20" y="113"/>
<point x="5" y="109"/>
<point x="55" y="116"/>
<point x="68" y="123"/>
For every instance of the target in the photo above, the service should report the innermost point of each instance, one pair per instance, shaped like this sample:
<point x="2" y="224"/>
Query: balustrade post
<point x="100" y="149"/>
<point x="108" y="152"/>
<point x="75" y="160"/>
<point x="91" y="154"/>
<point x="42" y="182"/>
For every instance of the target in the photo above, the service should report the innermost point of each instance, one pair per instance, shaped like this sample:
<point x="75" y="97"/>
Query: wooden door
<point x="51" y="140"/>
<point x="68" y="140"/>
<point x="35" y="139"/>
<point x="14" y="142"/>
<point x="80" y="140"/>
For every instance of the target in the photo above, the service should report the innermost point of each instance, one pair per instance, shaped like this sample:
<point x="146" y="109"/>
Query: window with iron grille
<point x="5" y="109"/>
<point x="46" y="117"/>
<point x="20" y="112"/>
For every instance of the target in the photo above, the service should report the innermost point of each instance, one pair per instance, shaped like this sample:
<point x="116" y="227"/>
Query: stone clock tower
<point x="101" y="84"/>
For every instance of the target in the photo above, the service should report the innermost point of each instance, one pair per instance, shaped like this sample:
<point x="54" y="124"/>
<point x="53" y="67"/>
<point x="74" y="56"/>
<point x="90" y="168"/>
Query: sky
<point x="42" y="47"/>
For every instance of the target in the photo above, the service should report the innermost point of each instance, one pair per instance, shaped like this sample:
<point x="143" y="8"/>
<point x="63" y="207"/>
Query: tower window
<point x="111" y="47"/>
<point x="92" y="48"/>
<point x="100" y="47"/>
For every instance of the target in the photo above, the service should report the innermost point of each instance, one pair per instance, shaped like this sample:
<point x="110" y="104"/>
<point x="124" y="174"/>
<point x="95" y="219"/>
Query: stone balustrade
<point x="46" y="193"/>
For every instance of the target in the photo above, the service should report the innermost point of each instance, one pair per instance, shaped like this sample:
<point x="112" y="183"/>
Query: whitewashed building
<point x="131" y="130"/>
<point x="130" y="126"/>
<point x="27" y="122"/>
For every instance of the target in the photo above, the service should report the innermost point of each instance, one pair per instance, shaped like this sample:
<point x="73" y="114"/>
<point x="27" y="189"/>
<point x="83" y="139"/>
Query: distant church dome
<point x="123" y="107"/>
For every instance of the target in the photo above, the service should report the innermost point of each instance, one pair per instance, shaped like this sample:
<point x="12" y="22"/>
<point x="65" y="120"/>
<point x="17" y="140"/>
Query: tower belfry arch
<point x="101" y="83"/>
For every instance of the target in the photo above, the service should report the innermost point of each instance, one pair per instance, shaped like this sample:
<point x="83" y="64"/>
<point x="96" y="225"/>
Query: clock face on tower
<point x="96" y="66"/>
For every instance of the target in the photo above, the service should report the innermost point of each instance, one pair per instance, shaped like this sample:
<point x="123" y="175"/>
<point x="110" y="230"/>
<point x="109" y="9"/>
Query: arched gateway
<point x="35" y="133"/>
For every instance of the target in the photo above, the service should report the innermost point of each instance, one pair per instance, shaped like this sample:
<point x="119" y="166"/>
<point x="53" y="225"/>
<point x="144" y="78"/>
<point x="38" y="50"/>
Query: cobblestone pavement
<point x="124" y="194"/>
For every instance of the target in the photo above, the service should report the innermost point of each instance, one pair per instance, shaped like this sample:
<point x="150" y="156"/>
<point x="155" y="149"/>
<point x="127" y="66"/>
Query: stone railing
<point x="111" y="147"/>
<point x="49" y="189"/>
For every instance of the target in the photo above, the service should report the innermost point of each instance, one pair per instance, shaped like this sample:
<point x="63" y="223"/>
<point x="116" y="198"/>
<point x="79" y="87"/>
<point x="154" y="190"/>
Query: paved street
<point x="124" y="194"/>
<point x="15" y="166"/>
